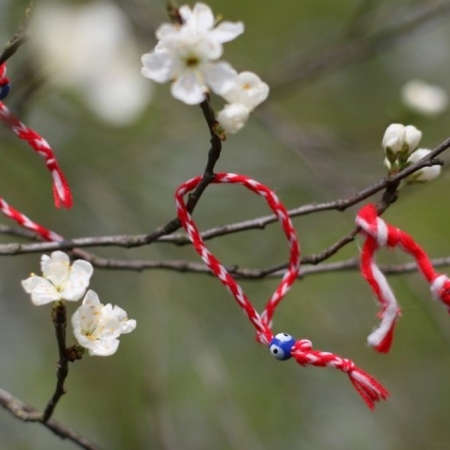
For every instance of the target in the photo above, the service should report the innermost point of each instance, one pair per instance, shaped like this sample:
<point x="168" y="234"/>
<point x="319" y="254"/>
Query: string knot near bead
<point x="348" y="365"/>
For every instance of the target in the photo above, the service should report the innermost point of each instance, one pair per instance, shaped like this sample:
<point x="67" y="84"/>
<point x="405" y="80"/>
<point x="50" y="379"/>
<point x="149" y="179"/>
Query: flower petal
<point x="42" y="291"/>
<point x="227" y="31"/>
<point x="56" y="267"/>
<point x="188" y="89"/>
<point x="166" y="31"/>
<point x="200" y="18"/>
<point x="220" y="77"/>
<point x="104" y="347"/>
<point x="91" y="299"/>
<point x="79" y="276"/>
<point x="127" y="326"/>
<point x="157" y="66"/>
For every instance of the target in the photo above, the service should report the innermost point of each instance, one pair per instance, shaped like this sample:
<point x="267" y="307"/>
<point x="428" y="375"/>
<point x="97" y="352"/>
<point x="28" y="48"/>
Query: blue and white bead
<point x="4" y="90"/>
<point x="281" y="345"/>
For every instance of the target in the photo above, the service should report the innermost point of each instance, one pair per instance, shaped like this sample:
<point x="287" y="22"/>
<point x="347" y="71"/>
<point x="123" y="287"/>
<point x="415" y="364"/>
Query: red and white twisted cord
<point x="264" y="333"/>
<point x="61" y="190"/>
<point x="25" y="222"/>
<point x="282" y="346"/>
<point x="370" y="390"/>
<point x="379" y="234"/>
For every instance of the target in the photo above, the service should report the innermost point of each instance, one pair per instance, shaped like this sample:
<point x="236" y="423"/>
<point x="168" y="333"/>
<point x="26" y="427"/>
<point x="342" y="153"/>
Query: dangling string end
<point x="370" y="390"/>
<point x="282" y="346"/>
<point x="380" y="234"/>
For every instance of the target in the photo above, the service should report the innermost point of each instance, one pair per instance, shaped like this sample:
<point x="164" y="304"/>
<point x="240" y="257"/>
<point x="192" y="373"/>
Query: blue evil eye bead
<point x="280" y="346"/>
<point x="4" y="90"/>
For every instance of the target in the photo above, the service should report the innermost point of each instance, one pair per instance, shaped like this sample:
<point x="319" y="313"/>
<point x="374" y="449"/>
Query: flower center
<point x="192" y="61"/>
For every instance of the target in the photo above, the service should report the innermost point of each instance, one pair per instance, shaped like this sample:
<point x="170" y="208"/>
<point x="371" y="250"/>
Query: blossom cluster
<point x="187" y="55"/>
<point x="96" y="327"/>
<point x="400" y="144"/>
<point x="89" y="48"/>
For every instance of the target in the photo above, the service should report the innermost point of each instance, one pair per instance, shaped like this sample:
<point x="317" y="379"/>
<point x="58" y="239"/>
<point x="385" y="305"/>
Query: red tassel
<point x="370" y="390"/>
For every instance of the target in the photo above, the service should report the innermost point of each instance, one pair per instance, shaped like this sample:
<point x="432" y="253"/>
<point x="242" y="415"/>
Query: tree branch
<point x="276" y="271"/>
<point x="59" y="317"/>
<point x="27" y="413"/>
<point x="128" y="241"/>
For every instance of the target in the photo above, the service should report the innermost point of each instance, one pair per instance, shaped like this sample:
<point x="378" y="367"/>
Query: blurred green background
<point x="191" y="376"/>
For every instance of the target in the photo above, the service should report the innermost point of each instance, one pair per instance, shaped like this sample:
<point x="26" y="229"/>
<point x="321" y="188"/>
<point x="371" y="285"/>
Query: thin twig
<point x="27" y="413"/>
<point x="276" y="271"/>
<point x="20" y="36"/>
<point x="208" y="176"/>
<point x="59" y="317"/>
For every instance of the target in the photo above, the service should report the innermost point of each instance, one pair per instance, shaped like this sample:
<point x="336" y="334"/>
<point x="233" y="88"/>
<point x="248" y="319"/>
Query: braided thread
<point x="262" y="323"/>
<point x="367" y="386"/>
<point x="61" y="191"/>
<point x="25" y="222"/>
<point x="282" y="346"/>
<point x="379" y="234"/>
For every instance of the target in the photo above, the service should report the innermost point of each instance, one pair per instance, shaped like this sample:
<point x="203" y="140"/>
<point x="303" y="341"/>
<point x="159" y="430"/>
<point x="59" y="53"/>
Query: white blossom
<point x="248" y="90"/>
<point x="424" y="98"/>
<point x="247" y="93"/>
<point x="398" y="138"/>
<point x="89" y="47"/>
<point x="426" y="173"/>
<point x="60" y="280"/>
<point x="233" y="117"/>
<point x="186" y="55"/>
<point x="97" y="327"/>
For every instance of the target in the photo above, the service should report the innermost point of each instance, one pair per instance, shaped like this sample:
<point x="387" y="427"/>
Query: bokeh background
<point x="191" y="376"/>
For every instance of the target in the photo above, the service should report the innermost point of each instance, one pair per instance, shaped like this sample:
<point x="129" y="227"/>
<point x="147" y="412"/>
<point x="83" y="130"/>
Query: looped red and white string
<point x="61" y="191"/>
<point x="379" y="234"/>
<point x="282" y="346"/>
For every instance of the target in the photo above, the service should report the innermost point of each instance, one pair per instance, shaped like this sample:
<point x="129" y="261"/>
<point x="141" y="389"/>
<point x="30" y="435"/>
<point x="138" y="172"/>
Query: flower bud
<point x="394" y="138"/>
<point x="426" y="173"/>
<point x="233" y="117"/>
<point x="248" y="90"/>
<point x="398" y="142"/>
<point x="412" y="137"/>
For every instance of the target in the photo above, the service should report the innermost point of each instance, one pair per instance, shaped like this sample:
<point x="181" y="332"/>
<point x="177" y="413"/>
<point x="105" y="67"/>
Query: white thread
<point x="382" y="232"/>
<point x="437" y="285"/>
<point x="390" y="308"/>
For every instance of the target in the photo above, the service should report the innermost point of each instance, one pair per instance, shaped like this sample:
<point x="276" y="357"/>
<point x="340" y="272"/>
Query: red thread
<point x="4" y="81"/>
<point x="380" y="234"/>
<point x="61" y="191"/>
<point x="368" y="388"/>
<point x="24" y="221"/>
